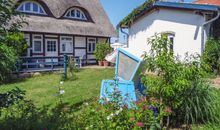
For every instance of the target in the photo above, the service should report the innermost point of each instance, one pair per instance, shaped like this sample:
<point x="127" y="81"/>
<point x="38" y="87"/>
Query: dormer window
<point x="31" y="7"/>
<point x="75" y="13"/>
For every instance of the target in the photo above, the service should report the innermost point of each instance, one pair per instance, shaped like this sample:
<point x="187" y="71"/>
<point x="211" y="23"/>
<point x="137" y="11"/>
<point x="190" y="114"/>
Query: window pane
<point x="21" y="8"/>
<point x="37" y="46"/>
<point x="68" y="14"/>
<point x="51" y="46"/>
<point x="35" y="7"/>
<point x="78" y="14"/>
<point x="90" y="47"/>
<point x="64" y="47"/>
<point x="41" y="10"/>
<point x="73" y="13"/>
<point x="172" y="42"/>
<point x="83" y="17"/>
<point x="28" y="7"/>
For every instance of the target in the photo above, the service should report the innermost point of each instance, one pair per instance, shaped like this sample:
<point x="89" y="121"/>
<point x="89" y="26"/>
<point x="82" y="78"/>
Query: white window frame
<point x="56" y="45"/>
<point x="31" y="8"/>
<point x="61" y="43"/>
<point x="41" y="40"/>
<point x="82" y="14"/>
<point x="89" y="42"/>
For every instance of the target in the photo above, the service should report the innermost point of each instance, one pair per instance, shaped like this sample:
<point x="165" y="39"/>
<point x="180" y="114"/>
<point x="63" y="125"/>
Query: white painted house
<point x="187" y="26"/>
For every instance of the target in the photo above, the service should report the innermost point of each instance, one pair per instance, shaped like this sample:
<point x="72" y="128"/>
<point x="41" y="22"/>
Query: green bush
<point x="101" y="50"/>
<point x="92" y="115"/>
<point x="179" y="85"/>
<point x="8" y="60"/>
<point x="211" y="55"/>
<point x="12" y="42"/>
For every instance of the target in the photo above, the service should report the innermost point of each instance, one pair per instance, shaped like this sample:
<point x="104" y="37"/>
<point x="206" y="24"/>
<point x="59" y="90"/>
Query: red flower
<point x="168" y="110"/>
<point x="140" y="124"/>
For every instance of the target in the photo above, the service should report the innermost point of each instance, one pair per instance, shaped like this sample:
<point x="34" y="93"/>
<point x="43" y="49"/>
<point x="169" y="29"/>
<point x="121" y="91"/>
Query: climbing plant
<point x="135" y="13"/>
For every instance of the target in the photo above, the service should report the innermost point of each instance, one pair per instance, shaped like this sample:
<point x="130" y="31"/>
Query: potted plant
<point x="101" y="50"/>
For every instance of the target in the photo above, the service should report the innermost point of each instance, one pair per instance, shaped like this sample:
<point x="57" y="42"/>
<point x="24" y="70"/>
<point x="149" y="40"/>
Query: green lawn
<point x="42" y="89"/>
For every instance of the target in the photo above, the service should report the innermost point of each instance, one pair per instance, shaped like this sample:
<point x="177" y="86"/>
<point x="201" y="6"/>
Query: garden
<point x="178" y="95"/>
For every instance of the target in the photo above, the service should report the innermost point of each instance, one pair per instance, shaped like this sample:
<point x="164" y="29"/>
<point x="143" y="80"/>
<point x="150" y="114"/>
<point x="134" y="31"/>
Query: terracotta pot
<point x="106" y="63"/>
<point x="100" y="63"/>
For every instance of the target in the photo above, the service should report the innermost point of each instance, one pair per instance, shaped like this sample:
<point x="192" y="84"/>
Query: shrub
<point x="72" y="68"/>
<point x="101" y="50"/>
<point x="8" y="60"/>
<point x="211" y="55"/>
<point x="11" y="97"/>
<point x="17" y="41"/>
<point x="179" y="84"/>
<point x="111" y="115"/>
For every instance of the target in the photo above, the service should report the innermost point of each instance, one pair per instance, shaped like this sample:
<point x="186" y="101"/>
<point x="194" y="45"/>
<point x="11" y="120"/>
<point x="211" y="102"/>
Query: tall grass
<point x="201" y="104"/>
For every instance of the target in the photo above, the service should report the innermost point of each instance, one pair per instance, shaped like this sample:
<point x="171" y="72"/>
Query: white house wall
<point x="185" y="24"/>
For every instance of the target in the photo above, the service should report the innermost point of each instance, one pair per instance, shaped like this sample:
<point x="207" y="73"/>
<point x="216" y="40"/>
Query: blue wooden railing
<point x="35" y="64"/>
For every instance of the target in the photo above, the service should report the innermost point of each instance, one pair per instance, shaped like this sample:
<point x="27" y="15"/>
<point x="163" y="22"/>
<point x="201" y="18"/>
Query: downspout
<point x="127" y="35"/>
<point x="203" y="26"/>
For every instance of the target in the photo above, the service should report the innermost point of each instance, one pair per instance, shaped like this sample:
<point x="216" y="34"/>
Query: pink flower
<point x="168" y="110"/>
<point x="154" y="100"/>
<point x="144" y="107"/>
<point x="144" y="99"/>
<point x="140" y="124"/>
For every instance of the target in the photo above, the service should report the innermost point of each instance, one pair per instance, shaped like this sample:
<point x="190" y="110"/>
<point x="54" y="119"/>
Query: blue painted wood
<point x="40" y="63"/>
<point x="125" y="88"/>
<point x="131" y="90"/>
<point x="138" y="60"/>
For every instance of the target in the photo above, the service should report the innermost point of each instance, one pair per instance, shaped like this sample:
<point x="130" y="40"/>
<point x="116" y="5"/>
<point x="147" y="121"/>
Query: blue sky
<point x="118" y="9"/>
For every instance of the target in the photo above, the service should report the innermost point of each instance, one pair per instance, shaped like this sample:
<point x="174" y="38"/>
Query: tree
<point x="179" y="84"/>
<point x="12" y="43"/>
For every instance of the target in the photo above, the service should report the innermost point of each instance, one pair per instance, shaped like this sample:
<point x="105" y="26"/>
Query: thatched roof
<point x="98" y="24"/>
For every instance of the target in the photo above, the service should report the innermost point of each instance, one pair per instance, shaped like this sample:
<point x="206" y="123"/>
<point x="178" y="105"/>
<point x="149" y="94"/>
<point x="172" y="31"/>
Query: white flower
<point x="108" y="117"/>
<point x="112" y="115"/>
<point x="120" y="109"/>
<point x="62" y="92"/>
<point x="61" y="82"/>
<point x="117" y="112"/>
<point x="86" y="103"/>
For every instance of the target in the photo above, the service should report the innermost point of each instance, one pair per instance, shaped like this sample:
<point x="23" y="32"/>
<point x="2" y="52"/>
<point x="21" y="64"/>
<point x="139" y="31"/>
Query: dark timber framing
<point x="58" y="38"/>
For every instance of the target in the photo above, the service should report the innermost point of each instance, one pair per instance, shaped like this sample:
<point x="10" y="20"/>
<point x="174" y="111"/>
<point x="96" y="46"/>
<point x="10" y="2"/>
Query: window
<point x="31" y="7"/>
<point x="75" y="13"/>
<point x="171" y="38"/>
<point x="91" y="45"/>
<point x="63" y="47"/>
<point x="51" y="46"/>
<point x="37" y="43"/>
<point x="66" y="44"/>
